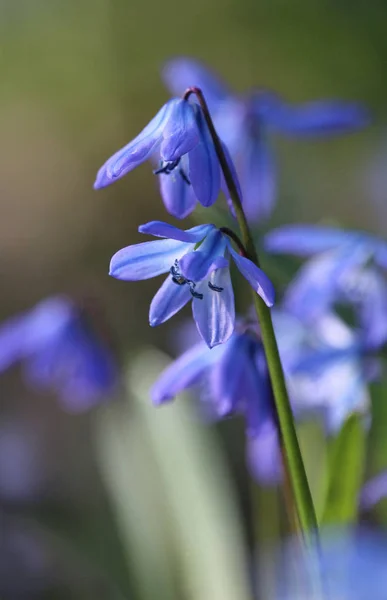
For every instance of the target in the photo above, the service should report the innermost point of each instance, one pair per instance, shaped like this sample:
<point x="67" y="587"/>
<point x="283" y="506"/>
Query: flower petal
<point x="198" y="264"/>
<point x="264" y="456"/>
<point x="256" y="389"/>
<point x="319" y="118"/>
<point x="182" y="373"/>
<point x="373" y="491"/>
<point x="182" y="73"/>
<point x="165" y="230"/>
<point x="146" y="260"/>
<point x="178" y="197"/>
<point x="215" y="313"/>
<point x="314" y="289"/>
<point x="76" y="365"/>
<point x="169" y="299"/>
<point x="367" y="290"/>
<point x="227" y="374"/>
<point x="380" y="252"/>
<point x="305" y="240"/>
<point x="258" y="280"/>
<point x="223" y="184"/>
<point x="331" y="383"/>
<point x="324" y="280"/>
<point x="23" y="335"/>
<point x="204" y="169"/>
<point x="258" y="178"/>
<point x="180" y="133"/>
<point x="137" y="151"/>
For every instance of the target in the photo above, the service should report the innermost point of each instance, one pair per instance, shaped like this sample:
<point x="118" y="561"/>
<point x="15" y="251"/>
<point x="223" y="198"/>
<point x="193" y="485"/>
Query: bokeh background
<point x="111" y="504"/>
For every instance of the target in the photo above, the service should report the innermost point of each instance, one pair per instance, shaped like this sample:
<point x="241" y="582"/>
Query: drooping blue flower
<point x="232" y="379"/>
<point x="326" y="368"/>
<point x="246" y="122"/>
<point x="189" y="170"/>
<point x="338" y="272"/>
<point x="60" y="352"/>
<point x="197" y="263"/>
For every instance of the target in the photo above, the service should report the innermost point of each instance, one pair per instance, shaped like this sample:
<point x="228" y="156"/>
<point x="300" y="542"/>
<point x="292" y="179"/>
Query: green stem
<point x="295" y="466"/>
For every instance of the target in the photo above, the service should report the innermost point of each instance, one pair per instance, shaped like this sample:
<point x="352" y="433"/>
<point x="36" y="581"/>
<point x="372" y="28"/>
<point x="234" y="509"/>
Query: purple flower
<point x="264" y="455"/>
<point x="309" y="240"/>
<point x="189" y="169"/>
<point x="325" y="366"/>
<point x="60" y="352"/>
<point x="338" y="271"/>
<point x="352" y="566"/>
<point x="245" y="124"/>
<point x="373" y="491"/>
<point x="197" y="261"/>
<point x="233" y="379"/>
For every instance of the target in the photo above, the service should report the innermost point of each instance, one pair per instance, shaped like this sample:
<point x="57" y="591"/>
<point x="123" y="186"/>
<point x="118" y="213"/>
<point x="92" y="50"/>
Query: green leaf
<point x="345" y="475"/>
<point x="172" y="495"/>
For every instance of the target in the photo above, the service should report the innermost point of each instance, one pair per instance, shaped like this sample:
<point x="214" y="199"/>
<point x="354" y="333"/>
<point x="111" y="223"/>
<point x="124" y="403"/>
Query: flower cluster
<point x="195" y="146"/>
<point x="327" y="363"/>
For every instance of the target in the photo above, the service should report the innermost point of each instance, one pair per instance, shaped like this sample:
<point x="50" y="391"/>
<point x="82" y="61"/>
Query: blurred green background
<point x="79" y="80"/>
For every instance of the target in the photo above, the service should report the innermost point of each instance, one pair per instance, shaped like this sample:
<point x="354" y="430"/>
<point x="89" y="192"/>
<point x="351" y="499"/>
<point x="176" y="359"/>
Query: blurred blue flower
<point x="309" y="240"/>
<point x="189" y="169"/>
<point x="352" y="566"/>
<point x="60" y="352"/>
<point x="338" y="272"/>
<point x="245" y="124"/>
<point x="373" y="491"/>
<point x="233" y="379"/>
<point x="197" y="261"/>
<point x="325" y="366"/>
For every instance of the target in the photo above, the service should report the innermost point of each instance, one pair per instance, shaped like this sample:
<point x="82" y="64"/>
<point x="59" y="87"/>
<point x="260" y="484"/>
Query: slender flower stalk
<point x="297" y="475"/>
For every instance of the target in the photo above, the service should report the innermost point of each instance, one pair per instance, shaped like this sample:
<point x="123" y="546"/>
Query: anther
<point x="215" y="288"/>
<point x="184" y="177"/>
<point x="166" y="167"/>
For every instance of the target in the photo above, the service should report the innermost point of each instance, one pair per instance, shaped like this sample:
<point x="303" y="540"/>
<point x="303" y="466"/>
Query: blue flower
<point x="373" y="491"/>
<point x="189" y="169"/>
<point x="233" y="379"/>
<point x="60" y="352"/>
<point x="352" y="566"/>
<point x="245" y="124"/>
<point x="325" y="366"/>
<point x="197" y="261"/>
<point x="339" y="271"/>
<point x="309" y="240"/>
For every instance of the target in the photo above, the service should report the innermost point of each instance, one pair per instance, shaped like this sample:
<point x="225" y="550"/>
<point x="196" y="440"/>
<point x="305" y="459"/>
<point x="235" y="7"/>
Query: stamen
<point x="215" y="288"/>
<point x="196" y="294"/>
<point x="185" y="177"/>
<point x="166" y="167"/>
<point x="179" y="279"/>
